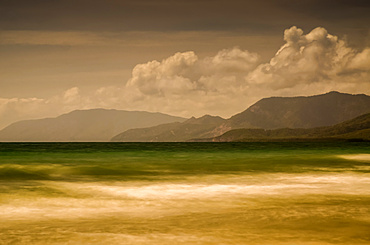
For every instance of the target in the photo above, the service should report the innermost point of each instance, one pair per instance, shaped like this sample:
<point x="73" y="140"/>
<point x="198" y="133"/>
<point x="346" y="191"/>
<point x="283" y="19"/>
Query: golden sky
<point x="179" y="57"/>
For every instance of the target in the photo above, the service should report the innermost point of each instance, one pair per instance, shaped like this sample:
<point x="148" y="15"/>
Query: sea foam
<point x="356" y="157"/>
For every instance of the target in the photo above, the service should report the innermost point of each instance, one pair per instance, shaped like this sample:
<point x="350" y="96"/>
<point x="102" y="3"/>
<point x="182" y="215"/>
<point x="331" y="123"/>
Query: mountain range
<point x="83" y="125"/>
<point x="262" y="118"/>
<point x="268" y="113"/>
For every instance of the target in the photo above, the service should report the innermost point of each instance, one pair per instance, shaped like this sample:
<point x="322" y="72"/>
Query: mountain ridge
<point x="83" y="125"/>
<point x="302" y="111"/>
<point x="268" y="113"/>
<point x="172" y="132"/>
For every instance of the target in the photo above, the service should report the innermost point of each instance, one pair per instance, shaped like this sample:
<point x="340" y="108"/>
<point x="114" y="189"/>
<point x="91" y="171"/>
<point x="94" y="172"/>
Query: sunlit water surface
<point x="185" y="193"/>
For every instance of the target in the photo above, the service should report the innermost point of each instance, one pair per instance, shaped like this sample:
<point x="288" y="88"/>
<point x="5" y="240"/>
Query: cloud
<point x="224" y="84"/>
<point x="316" y="57"/>
<point x="171" y="76"/>
<point x="185" y="73"/>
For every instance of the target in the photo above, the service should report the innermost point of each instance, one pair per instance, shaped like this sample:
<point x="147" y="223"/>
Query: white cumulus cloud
<point x="316" y="58"/>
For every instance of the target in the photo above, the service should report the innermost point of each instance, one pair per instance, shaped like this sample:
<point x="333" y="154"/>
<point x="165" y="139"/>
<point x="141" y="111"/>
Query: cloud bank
<point x="226" y="83"/>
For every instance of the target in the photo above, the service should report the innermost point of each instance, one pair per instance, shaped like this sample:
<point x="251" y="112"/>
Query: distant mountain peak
<point x="335" y="92"/>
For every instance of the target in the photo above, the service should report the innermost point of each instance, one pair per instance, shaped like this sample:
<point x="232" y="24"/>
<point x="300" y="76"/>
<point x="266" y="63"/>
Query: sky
<point x="184" y="58"/>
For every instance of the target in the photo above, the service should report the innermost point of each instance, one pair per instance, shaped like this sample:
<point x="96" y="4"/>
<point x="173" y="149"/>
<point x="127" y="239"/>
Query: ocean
<point x="185" y="193"/>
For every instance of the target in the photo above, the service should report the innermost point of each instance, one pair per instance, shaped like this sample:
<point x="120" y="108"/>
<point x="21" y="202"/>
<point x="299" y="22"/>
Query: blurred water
<point x="185" y="193"/>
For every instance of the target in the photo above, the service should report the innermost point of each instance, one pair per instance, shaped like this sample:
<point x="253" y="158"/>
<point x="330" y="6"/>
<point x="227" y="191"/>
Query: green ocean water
<point x="185" y="193"/>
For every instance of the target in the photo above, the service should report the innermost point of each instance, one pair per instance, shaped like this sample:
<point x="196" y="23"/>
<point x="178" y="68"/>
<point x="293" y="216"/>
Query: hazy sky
<point x="179" y="57"/>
